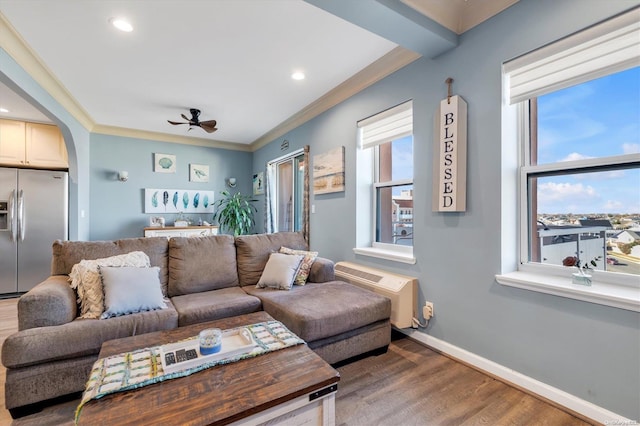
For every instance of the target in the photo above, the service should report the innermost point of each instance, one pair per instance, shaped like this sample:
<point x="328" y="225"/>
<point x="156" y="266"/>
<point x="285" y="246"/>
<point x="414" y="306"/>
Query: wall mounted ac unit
<point x="401" y="289"/>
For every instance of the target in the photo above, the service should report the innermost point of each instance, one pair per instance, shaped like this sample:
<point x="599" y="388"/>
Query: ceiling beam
<point x="395" y="22"/>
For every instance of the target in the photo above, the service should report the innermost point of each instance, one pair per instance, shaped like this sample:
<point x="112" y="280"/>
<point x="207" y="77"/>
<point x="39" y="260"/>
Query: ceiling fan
<point x="209" y="126"/>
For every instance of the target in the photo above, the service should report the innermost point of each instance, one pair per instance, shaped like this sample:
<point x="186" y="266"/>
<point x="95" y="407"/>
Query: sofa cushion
<point x="68" y="253"/>
<point x="80" y="337"/>
<point x="253" y="252"/>
<point x="128" y="290"/>
<point x="201" y="264"/>
<point x="280" y="271"/>
<point x="319" y="310"/>
<point x="210" y="305"/>
<point x="85" y="279"/>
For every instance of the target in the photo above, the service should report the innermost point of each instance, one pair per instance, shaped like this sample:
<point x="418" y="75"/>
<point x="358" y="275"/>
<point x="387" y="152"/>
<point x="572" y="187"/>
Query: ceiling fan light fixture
<point x="298" y="75"/>
<point x="208" y="126"/>
<point x="121" y="24"/>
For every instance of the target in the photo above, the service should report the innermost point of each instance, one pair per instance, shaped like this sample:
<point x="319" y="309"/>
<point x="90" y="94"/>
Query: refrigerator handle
<point x="12" y="216"/>
<point x="21" y="224"/>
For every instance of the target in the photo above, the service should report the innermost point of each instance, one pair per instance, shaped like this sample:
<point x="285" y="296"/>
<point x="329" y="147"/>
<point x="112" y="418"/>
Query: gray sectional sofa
<point x="203" y="279"/>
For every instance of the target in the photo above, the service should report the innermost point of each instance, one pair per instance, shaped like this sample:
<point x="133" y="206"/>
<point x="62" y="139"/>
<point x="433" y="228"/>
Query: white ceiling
<point x="230" y="58"/>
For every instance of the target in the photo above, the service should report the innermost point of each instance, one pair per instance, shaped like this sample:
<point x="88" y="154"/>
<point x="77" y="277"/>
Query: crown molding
<point x="166" y="137"/>
<point x="27" y="58"/>
<point x="388" y="64"/>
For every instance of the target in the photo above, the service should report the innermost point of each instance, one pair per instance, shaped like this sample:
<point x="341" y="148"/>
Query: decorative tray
<point x="186" y="354"/>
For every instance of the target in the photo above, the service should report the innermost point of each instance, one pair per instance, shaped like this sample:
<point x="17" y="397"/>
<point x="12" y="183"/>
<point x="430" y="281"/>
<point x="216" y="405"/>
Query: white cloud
<point x="552" y="192"/>
<point x="631" y="148"/>
<point x="574" y="156"/>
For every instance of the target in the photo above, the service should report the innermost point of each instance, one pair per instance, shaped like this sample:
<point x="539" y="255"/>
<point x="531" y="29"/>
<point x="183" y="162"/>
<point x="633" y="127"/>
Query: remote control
<point x="181" y="355"/>
<point x="169" y="358"/>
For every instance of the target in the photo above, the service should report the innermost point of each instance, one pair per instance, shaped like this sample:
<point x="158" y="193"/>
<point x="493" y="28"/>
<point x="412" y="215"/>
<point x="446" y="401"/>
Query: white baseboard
<point x="534" y="386"/>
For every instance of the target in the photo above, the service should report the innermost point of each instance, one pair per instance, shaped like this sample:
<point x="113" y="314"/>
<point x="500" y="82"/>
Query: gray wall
<point x="118" y="207"/>
<point x="588" y="350"/>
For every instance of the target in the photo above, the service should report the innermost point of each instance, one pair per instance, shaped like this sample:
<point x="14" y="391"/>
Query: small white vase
<point x="581" y="278"/>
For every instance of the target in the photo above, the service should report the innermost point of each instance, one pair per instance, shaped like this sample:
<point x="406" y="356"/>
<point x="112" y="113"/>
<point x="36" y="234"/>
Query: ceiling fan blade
<point x="185" y="117"/>
<point x="175" y="122"/>
<point x="209" y="126"/>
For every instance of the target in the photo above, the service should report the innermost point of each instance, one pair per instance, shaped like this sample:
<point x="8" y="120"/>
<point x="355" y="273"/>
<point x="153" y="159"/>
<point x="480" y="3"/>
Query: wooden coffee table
<point x="292" y="385"/>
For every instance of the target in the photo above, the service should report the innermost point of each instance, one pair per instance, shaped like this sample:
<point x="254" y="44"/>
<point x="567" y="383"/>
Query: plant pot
<point x="582" y="279"/>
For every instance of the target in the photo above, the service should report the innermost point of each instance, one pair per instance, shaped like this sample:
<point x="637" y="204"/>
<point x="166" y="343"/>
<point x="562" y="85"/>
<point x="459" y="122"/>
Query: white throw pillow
<point x="85" y="279"/>
<point x="128" y="290"/>
<point x="280" y="271"/>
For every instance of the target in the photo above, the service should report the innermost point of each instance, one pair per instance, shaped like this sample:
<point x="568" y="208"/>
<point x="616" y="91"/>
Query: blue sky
<point x="402" y="155"/>
<point x="591" y="120"/>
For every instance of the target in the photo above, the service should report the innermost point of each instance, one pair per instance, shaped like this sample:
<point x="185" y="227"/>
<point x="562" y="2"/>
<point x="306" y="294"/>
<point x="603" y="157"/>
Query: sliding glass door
<point x="289" y="192"/>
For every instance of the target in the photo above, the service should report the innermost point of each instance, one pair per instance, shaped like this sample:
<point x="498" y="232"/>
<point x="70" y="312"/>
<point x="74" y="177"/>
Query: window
<point x="579" y="116"/>
<point x="385" y="177"/>
<point x="393" y="192"/>
<point x="583" y="175"/>
<point x="286" y="192"/>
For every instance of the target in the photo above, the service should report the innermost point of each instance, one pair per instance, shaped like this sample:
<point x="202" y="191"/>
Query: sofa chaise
<point x="202" y="279"/>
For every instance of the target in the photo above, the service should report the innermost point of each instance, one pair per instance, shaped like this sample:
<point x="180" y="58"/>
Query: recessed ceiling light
<point x="4" y="110"/>
<point x="298" y="75"/>
<point x="121" y="24"/>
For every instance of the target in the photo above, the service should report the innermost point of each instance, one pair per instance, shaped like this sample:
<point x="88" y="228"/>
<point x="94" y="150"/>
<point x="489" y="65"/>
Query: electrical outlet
<point x="427" y="310"/>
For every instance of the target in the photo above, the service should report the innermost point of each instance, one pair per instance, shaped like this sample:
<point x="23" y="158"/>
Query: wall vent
<point x="401" y="289"/>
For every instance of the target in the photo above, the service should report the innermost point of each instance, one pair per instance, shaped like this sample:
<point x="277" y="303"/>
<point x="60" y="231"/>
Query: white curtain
<point x="603" y="49"/>
<point x="394" y="123"/>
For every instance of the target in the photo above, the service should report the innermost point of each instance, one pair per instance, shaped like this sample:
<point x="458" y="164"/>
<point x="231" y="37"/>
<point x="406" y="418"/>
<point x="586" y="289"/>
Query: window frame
<point x="601" y="49"/>
<point x="292" y="158"/>
<point x="377" y="184"/>
<point x="608" y="288"/>
<point x="366" y="198"/>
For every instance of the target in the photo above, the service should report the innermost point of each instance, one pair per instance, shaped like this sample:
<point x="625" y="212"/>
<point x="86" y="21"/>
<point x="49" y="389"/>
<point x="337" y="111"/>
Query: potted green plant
<point x="234" y="213"/>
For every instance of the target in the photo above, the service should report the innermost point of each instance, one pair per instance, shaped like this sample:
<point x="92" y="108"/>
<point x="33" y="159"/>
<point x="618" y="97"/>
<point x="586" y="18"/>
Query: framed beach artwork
<point x="258" y="183"/>
<point x="198" y="173"/>
<point x="328" y="171"/>
<point x="164" y="163"/>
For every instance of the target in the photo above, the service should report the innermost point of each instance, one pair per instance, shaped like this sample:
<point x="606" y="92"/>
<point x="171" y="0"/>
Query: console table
<point x="185" y="231"/>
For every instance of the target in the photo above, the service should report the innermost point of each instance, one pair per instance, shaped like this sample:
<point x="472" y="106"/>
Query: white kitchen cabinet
<point x="12" y="142"/>
<point x="32" y="145"/>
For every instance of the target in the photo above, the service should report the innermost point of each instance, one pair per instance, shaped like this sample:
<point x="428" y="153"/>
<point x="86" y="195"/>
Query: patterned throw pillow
<point x="85" y="278"/>
<point x="305" y="265"/>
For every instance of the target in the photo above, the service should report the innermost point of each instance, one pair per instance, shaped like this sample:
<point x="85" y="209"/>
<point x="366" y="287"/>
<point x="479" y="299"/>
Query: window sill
<point x="618" y="296"/>
<point x="380" y="253"/>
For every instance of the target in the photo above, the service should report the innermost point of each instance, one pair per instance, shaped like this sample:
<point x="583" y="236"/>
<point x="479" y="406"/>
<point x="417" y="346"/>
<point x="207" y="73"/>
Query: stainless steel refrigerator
<point x="33" y="213"/>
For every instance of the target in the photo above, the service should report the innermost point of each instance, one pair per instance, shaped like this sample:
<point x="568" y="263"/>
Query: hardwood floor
<point x="408" y="385"/>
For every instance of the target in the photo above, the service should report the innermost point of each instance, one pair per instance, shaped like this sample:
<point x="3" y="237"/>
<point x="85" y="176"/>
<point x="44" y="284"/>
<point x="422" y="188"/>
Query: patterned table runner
<point x="131" y="370"/>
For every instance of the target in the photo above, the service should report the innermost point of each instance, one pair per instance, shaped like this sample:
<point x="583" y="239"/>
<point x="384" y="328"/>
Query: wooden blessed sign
<point x="450" y="156"/>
